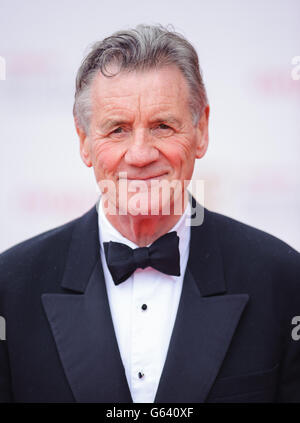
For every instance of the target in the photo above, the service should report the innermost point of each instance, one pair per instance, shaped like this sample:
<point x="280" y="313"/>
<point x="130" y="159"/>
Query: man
<point x="132" y="301"/>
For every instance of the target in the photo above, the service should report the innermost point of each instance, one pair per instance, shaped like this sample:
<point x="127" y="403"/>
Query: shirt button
<point x="144" y="307"/>
<point x="140" y="374"/>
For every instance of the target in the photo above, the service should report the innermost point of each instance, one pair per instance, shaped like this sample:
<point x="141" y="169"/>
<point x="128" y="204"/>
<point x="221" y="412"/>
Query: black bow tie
<point x="162" y="255"/>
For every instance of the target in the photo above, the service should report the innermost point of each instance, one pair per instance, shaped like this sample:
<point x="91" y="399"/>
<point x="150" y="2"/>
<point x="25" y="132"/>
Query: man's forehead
<point x="166" y="84"/>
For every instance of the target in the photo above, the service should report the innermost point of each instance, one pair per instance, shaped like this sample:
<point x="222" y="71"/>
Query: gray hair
<point x="140" y="49"/>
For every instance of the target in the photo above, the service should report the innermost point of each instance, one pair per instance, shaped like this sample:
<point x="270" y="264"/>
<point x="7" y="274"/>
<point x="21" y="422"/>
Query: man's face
<point x="141" y="126"/>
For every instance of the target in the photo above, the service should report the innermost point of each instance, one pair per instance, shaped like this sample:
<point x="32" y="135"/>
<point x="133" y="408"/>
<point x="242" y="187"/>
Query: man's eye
<point x="163" y="126"/>
<point x="162" y="130"/>
<point x="118" y="130"/>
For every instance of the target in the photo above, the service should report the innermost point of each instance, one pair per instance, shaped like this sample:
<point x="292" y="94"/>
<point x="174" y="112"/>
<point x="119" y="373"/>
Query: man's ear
<point x="84" y="144"/>
<point x="202" y="133"/>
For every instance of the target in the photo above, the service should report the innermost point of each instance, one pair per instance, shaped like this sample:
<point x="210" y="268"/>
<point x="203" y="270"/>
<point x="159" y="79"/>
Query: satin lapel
<point x="82" y="326"/>
<point x="205" y="323"/>
<point x="202" y="333"/>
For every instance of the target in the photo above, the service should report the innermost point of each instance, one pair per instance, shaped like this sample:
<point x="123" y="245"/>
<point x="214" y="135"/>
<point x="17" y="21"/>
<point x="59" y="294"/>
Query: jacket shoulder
<point x="240" y="231"/>
<point x="253" y="246"/>
<point x="32" y="246"/>
<point x="32" y="258"/>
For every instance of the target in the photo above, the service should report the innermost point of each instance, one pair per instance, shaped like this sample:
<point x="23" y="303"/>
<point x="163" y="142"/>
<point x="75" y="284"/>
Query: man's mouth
<point x="144" y="178"/>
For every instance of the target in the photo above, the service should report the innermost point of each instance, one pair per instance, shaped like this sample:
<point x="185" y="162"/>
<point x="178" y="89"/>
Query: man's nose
<point x="141" y="151"/>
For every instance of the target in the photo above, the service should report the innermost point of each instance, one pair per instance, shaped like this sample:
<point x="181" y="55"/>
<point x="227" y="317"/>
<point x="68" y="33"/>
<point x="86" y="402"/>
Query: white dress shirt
<point x="143" y="334"/>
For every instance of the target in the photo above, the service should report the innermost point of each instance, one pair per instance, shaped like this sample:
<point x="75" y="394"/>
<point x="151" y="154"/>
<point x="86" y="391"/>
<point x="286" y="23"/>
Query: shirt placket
<point x="142" y="348"/>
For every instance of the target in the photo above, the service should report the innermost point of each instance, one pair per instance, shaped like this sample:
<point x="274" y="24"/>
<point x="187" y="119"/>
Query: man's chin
<point x="145" y="207"/>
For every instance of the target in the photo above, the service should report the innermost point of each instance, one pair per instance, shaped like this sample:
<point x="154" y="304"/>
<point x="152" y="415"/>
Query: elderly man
<point x="132" y="302"/>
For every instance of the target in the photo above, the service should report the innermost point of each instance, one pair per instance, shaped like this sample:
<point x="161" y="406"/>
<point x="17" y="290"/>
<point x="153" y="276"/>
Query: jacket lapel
<point x="202" y="332"/>
<point x="81" y="322"/>
<point x="205" y="323"/>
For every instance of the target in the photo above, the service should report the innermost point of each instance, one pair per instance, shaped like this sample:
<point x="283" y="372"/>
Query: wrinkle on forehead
<point x="140" y="93"/>
<point x="128" y="84"/>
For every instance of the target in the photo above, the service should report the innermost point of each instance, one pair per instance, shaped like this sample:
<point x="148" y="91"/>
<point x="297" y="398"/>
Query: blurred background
<point x="246" y="48"/>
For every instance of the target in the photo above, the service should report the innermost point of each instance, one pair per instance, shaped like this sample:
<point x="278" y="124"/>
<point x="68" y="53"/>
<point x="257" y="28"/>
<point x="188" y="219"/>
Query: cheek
<point x="179" y="152"/>
<point x="106" y="157"/>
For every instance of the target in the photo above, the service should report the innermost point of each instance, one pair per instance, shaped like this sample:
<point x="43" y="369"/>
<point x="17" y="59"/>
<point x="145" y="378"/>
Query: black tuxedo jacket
<point x="231" y="340"/>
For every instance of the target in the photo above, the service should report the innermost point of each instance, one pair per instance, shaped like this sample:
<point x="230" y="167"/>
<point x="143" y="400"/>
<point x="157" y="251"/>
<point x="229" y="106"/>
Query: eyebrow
<point x="113" y="123"/>
<point x="167" y="118"/>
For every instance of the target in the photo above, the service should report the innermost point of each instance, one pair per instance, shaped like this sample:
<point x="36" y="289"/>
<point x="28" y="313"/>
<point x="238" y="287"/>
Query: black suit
<point x="232" y="335"/>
